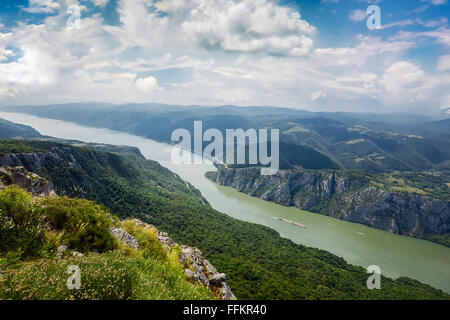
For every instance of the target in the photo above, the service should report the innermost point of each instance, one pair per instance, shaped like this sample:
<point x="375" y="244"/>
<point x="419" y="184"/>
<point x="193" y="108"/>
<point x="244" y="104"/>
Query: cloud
<point x="435" y="2"/>
<point x="401" y="23"/>
<point x="444" y="63"/>
<point x="214" y="52"/>
<point x="148" y="84"/>
<point x="42" y="6"/>
<point x="367" y="48"/>
<point x="100" y="3"/>
<point x="223" y="25"/>
<point x="317" y="95"/>
<point x="433" y="23"/>
<point x="401" y="75"/>
<point x="441" y="35"/>
<point x="405" y="83"/>
<point x="357" y="15"/>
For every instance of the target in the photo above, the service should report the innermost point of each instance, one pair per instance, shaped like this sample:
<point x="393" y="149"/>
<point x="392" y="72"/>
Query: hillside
<point x="41" y="238"/>
<point x="259" y="264"/>
<point x="376" y="143"/>
<point x="10" y="130"/>
<point x="413" y="204"/>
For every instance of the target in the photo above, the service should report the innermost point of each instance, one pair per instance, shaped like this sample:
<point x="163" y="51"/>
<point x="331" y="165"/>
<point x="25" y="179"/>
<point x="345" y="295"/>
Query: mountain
<point x="411" y="204"/>
<point x="259" y="264"/>
<point x="323" y="140"/>
<point x="10" y="130"/>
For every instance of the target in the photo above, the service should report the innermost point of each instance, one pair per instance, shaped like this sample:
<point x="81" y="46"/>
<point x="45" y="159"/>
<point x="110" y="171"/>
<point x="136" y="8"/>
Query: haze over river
<point x="396" y="255"/>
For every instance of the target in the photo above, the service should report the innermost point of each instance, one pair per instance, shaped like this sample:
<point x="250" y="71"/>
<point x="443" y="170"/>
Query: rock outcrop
<point x="196" y="268"/>
<point x="32" y="162"/>
<point x="344" y="198"/>
<point x="125" y="237"/>
<point x="29" y="181"/>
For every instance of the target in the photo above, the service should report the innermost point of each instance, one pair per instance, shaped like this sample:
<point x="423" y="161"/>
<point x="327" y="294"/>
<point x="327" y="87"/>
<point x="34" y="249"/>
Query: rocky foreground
<point x="196" y="268"/>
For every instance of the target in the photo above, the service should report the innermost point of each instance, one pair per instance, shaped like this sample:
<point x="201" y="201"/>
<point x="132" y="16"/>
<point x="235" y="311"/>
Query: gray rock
<point x="166" y="241"/>
<point x="60" y="251"/>
<point x="217" y="279"/>
<point x="209" y="267"/>
<point x="125" y="237"/>
<point x="29" y="181"/>
<point x="198" y="277"/>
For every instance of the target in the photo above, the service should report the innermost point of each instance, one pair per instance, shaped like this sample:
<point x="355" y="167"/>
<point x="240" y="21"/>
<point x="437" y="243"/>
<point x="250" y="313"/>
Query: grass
<point x="107" y="276"/>
<point x="109" y="269"/>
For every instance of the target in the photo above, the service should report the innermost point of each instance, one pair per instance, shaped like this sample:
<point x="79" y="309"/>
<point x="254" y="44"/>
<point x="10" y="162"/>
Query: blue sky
<point x="316" y="54"/>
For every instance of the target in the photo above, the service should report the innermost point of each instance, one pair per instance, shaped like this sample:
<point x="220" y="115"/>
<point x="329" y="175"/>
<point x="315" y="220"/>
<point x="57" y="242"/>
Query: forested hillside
<point x="10" y="130"/>
<point x="259" y="263"/>
<point x="370" y="142"/>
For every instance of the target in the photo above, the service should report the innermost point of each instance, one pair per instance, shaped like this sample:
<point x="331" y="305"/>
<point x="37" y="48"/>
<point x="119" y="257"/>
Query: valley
<point x="357" y="244"/>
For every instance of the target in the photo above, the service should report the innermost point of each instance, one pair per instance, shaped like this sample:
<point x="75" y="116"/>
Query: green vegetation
<point x="85" y="226"/>
<point x="21" y="224"/>
<point x="9" y="130"/>
<point x="259" y="263"/>
<point x="423" y="183"/>
<point x="18" y="146"/>
<point x="324" y="140"/>
<point x="31" y="229"/>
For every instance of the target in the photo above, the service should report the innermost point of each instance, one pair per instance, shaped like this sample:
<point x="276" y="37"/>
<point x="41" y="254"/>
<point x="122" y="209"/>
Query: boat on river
<point x="292" y="222"/>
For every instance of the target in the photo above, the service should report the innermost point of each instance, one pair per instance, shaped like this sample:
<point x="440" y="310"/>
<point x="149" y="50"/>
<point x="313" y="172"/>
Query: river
<point x="361" y="245"/>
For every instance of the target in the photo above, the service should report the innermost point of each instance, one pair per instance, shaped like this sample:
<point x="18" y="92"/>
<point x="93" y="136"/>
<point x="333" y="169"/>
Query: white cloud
<point x="442" y="21"/>
<point x="317" y="95"/>
<point x="357" y="15"/>
<point x="401" y="23"/>
<point x="444" y="63"/>
<point x="100" y="3"/>
<point x="406" y="84"/>
<point x="401" y="75"/>
<point x="225" y="25"/>
<point x="359" y="55"/>
<point x="213" y="52"/>
<point x="441" y="35"/>
<point x="148" y="84"/>
<point x="436" y="2"/>
<point x="5" y="54"/>
<point x="42" y="6"/>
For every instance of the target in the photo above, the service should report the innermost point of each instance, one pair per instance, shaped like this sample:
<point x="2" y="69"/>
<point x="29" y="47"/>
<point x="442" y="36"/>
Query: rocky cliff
<point x="344" y="197"/>
<point x="31" y="182"/>
<point x="34" y="162"/>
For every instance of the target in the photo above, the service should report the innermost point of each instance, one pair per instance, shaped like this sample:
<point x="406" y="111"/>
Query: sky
<point x="318" y="55"/>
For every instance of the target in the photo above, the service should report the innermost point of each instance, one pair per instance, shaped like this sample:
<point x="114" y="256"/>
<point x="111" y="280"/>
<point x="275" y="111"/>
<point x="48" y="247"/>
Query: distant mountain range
<point x="323" y="140"/>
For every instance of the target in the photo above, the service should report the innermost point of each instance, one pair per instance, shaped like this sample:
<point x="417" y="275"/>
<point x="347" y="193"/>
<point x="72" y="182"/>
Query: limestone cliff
<point x="344" y="197"/>
<point x="29" y="181"/>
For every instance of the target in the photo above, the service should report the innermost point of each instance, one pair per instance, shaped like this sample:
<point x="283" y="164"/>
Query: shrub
<point x="86" y="224"/>
<point x="147" y="238"/>
<point x="21" y="228"/>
